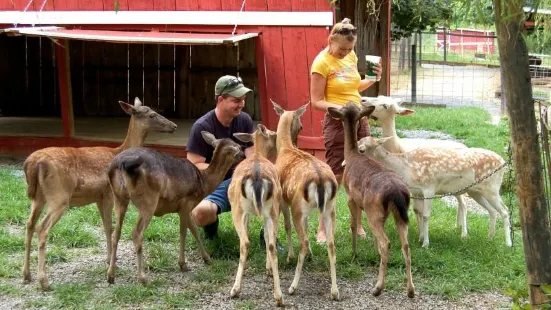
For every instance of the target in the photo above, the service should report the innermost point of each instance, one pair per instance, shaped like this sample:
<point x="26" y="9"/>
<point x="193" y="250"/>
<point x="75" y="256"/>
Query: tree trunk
<point x="534" y="218"/>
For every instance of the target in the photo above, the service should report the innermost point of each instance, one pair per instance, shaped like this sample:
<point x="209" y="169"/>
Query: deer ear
<point x="381" y="141"/>
<point x="137" y="102"/>
<point x="129" y="109"/>
<point x="209" y="138"/>
<point x="301" y="110"/>
<point x="335" y="113"/>
<point x="243" y="137"/>
<point x="279" y="110"/>
<point x="405" y="112"/>
<point x="263" y="130"/>
<point x="366" y="112"/>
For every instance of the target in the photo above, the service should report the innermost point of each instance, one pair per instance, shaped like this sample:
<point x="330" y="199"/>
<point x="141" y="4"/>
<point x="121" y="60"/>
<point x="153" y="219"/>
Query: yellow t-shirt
<point x="341" y="75"/>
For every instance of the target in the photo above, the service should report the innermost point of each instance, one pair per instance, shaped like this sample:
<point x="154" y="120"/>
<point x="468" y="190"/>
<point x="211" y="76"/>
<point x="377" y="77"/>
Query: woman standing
<point x="335" y="81"/>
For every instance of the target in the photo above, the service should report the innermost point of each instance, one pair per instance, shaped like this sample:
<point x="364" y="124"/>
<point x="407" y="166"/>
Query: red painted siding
<point x="45" y="5"/>
<point x="316" y="40"/>
<point x="256" y="5"/>
<point x="94" y="5"/>
<point x="6" y="5"/>
<point x="233" y="5"/>
<point x="187" y="5"/>
<point x="140" y="5"/>
<point x="304" y="5"/>
<point x="279" y="5"/>
<point x="295" y="64"/>
<point x="210" y="5"/>
<point x="164" y="5"/>
<point x="19" y="5"/>
<point x="67" y="5"/>
<point x="275" y="76"/>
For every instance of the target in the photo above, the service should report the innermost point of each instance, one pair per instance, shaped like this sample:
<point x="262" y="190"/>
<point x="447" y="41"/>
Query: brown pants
<point x="333" y="136"/>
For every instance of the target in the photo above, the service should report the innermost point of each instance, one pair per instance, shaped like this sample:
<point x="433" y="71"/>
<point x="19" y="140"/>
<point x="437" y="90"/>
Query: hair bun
<point x="346" y="20"/>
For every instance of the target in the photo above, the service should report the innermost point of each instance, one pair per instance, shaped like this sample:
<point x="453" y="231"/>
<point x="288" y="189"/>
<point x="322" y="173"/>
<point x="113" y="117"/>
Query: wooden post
<point x="534" y="217"/>
<point x="65" y="90"/>
<point x="385" y="24"/>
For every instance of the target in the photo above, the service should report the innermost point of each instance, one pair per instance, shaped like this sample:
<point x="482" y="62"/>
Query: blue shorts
<point x="220" y="197"/>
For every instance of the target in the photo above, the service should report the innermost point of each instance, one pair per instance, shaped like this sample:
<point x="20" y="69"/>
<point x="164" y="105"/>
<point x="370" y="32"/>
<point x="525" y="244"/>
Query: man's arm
<point x="197" y="160"/>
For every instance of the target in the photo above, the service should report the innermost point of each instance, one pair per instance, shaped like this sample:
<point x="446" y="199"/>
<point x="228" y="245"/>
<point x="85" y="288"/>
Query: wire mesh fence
<point x="457" y="68"/>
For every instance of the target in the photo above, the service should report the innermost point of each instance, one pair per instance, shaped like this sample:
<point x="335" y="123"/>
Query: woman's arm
<point x="317" y="91"/>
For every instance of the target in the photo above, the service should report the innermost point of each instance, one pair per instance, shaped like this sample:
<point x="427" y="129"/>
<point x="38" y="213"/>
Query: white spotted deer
<point x="307" y="184"/>
<point x="430" y="171"/>
<point x="255" y="190"/>
<point x="64" y="177"/>
<point x="376" y="190"/>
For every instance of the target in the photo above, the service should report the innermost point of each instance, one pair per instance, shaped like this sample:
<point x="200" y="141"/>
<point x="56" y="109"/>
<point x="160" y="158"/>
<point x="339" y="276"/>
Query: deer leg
<point x="121" y="206"/>
<point x="53" y="214"/>
<point x="403" y="231"/>
<point x="377" y="223"/>
<point x="354" y="213"/>
<point x="37" y="205"/>
<point x="461" y="215"/>
<point x="298" y="219"/>
<point x="270" y="234"/>
<point x="329" y="218"/>
<point x="241" y="223"/>
<point x="492" y="212"/>
<point x="288" y="231"/>
<point x="495" y="200"/>
<point x="105" y="208"/>
<point x="193" y="228"/>
<point x="418" y="206"/>
<point x="184" y="223"/>
<point x="427" y="206"/>
<point x="144" y="218"/>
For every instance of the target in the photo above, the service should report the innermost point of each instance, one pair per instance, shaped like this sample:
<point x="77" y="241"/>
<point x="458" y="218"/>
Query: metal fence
<point x="457" y="68"/>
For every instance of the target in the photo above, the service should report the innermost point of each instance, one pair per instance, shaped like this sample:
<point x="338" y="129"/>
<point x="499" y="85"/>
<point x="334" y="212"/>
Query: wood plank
<point x="65" y="5"/>
<point x="279" y="5"/>
<point x="187" y="5"/>
<point x="49" y="79"/>
<point x="150" y="96"/>
<point x="93" y="5"/>
<point x="140" y="5"/>
<point x="136" y="72"/>
<point x="324" y="6"/>
<point x="275" y="77"/>
<point x="232" y="5"/>
<point x="77" y="81"/>
<point x="66" y="98"/>
<point x="19" y="5"/>
<point x="90" y="91"/>
<point x="211" y="5"/>
<point x="296" y="72"/>
<point x="264" y="103"/>
<point x="7" y="5"/>
<point x="316" y="41"/>
<point x="33" y="98"/>
<point x="13" y="89"/>
<point x="43" y="5"/>
<point x="256" y="5"/>
<point x="164" y="5"/>
<point x="110" y="5"/>
<point x="112" y="78"/>
<point x="304" y="5"/>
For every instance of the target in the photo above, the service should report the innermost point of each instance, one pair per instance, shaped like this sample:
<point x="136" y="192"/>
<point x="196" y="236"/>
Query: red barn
<point x="66" y="63"/>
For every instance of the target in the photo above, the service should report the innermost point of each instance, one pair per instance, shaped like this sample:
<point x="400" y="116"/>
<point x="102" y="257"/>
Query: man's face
<point x="231" y="106"/>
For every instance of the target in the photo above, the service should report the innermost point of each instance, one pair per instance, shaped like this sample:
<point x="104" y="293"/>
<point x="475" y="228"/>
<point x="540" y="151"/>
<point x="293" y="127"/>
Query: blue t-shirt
<point x="210" y="123"/>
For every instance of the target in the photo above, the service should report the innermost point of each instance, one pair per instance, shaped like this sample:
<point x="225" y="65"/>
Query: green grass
<point x="451" y="267"/>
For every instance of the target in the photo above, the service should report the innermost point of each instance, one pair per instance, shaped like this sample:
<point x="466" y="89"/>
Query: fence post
<point x="413" y="74"/>
<point x="445" y="45"/>
<point x="420" y="48"/>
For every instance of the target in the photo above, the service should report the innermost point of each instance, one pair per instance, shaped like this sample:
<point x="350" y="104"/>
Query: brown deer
<point x="255" y="189"/>
<point x="376" y="190"/>
<point x="60" y="177"/>
<point x="158" y="184"/>
<point x="307" y="184"/>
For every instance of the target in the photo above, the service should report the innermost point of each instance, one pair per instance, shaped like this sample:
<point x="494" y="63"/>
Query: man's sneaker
<point x="211" y="230"/>
<point x="280" y="246"/>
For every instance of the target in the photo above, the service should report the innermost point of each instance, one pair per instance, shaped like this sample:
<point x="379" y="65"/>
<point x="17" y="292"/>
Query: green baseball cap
<point x="231" y="86"/>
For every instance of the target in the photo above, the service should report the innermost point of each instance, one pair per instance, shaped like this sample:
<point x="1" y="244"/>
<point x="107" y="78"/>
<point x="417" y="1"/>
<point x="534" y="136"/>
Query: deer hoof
<point x="292" y="290"/>
<point x="234" y="292"/>
<point x="44" y="284"/>
<point x="411" y="293"/>
<point x="279" y="301"/>
<point x="335" y="294"/>
<point x="290" y="257"/>
<point x="110" y="279"/>
<point x="377" y="291"/>
<point x="27" y="278"/>
<point x="143" y="280"/>
<point x="184" y="267"/>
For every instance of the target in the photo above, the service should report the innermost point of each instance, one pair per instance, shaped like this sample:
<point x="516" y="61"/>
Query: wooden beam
<point x="65" y="91"/>
<point x="385" y="26"/>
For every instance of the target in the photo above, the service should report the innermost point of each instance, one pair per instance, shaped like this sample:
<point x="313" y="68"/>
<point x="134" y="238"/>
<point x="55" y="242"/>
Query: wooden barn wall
<point x="177" y="81"/>
<point x="28" y="81"/>
<point x="169" y="5"/>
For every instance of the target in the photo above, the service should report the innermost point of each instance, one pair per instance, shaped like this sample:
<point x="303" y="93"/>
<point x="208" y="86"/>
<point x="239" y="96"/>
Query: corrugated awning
<point x="154" y="37"/>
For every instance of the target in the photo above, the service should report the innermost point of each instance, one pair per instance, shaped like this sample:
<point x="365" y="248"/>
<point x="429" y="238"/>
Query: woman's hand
<point x="378" y="70"/>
